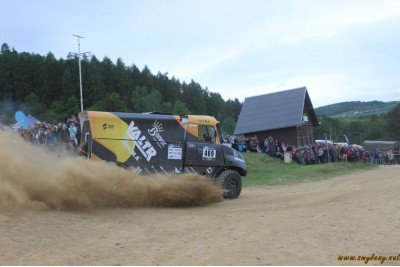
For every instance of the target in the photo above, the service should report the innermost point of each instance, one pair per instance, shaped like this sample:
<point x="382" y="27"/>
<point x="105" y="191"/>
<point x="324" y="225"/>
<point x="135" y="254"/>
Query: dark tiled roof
<point x="274" y="111"/>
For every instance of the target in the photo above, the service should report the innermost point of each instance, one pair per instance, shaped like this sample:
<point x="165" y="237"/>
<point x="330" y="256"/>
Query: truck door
<point x="204" y="151"/>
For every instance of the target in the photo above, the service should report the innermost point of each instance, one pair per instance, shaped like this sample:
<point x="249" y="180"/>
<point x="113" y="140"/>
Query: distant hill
<point x="356" y="108"/>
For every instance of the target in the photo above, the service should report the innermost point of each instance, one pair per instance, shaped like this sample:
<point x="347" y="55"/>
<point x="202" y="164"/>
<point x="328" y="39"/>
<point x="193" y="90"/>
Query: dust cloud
<point x="32" y="177"/>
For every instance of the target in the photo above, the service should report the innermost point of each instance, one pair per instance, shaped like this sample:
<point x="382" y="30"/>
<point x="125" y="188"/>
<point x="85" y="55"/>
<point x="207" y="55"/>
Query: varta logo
<point x="141" y="141"/>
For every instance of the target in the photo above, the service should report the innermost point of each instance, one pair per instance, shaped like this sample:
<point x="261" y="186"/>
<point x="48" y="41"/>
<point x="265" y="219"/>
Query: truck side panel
<point x="149" y="143"/>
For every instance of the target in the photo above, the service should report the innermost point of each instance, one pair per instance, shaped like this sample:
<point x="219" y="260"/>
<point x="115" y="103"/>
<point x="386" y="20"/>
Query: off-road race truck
<point x="162" y="143"/>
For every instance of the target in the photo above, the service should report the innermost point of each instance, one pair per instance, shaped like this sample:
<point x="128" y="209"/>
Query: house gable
<point x="275" y="111"/>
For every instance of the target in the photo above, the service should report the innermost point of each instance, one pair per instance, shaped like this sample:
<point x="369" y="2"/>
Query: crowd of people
<point x="68" y="134"/>
<point x="65" y="133"/>
<point x="316" y="153"/>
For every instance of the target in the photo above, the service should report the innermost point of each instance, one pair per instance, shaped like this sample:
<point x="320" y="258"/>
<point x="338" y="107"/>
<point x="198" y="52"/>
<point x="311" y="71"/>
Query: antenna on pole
<point x="79" y="60"/>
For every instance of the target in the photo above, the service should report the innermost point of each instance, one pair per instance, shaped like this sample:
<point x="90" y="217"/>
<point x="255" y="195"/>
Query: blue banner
<point x="21" y="119"/>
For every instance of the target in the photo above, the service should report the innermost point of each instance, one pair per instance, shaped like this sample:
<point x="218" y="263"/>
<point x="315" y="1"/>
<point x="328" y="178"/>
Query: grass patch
<point x="265" y="170"/>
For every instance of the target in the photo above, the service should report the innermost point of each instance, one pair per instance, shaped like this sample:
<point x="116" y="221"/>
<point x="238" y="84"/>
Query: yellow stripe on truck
<point x="111" y="132"/>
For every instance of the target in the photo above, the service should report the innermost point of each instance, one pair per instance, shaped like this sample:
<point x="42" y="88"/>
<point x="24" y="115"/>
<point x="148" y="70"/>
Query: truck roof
<point x="202" y="119"/>
<point x="196" y="119"/>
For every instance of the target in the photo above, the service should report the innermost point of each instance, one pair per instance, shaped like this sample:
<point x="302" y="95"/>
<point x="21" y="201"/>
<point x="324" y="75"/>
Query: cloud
<point x="321" y="19"/>
<point x="236" y="48"/>
<point x="299" y="22"/>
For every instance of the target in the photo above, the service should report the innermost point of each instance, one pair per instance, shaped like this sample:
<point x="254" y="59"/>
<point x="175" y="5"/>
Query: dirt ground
<point x="304" y="224"/>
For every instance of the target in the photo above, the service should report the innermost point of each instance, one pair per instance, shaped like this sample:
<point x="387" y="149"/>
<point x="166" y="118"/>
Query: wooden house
<point x="287" y="115"/>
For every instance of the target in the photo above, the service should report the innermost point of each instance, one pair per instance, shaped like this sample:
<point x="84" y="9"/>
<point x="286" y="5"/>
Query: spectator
<point x="73" y="133"/>
<point x="51" y="136"/>
<point x="64" y="136"/>
<point x="320" y="154"/>
<point x="391" y="157"/>
<point x="279" y="154"/>
<point x="386" y="158"/>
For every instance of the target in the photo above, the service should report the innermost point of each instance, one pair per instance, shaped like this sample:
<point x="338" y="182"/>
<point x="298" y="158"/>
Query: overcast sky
<point x="340" y="50"/>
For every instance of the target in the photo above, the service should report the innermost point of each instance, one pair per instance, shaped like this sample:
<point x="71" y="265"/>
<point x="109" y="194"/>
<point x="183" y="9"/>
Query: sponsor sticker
<point x="174" y="151"/>
<point x="155" y="133"/>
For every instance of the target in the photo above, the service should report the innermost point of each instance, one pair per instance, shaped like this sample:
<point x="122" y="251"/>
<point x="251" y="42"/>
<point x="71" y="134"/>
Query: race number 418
<point x="209" y="153"/>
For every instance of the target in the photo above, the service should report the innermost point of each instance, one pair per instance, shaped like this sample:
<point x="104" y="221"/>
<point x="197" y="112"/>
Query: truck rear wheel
<point x="231" y="182"/>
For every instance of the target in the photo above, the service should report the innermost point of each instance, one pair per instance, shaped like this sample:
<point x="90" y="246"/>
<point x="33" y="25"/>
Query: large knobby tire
<point x="231" y="182"/>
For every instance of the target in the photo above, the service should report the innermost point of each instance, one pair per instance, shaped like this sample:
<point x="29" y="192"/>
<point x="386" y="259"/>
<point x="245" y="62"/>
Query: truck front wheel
<point x="231" y="182"/>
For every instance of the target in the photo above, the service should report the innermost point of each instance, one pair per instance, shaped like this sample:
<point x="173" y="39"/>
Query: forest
<point x="48" y="89"/>
<point x="359" y="121"/>
<point x="384" y="127"/>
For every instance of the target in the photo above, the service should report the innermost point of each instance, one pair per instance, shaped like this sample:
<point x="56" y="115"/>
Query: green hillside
<point x="356" y="108"/>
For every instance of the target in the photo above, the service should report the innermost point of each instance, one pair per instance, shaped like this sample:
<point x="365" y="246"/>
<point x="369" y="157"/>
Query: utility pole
<point x="79" y="60"/>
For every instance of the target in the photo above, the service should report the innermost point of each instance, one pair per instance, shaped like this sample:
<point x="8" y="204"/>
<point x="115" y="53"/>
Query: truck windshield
<point x="207" y="133"/>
